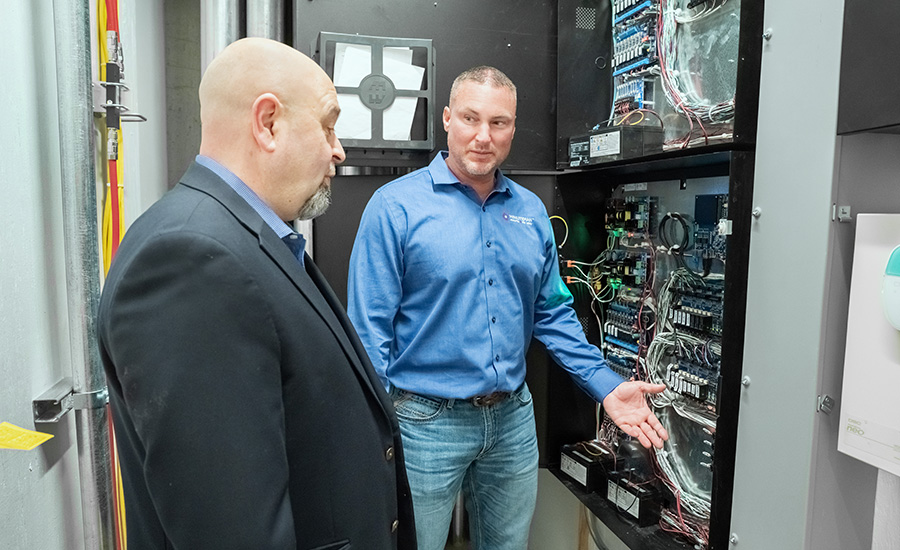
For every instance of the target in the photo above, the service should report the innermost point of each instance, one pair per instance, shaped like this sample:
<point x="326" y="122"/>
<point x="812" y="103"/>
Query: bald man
<point x="247" y="413"/>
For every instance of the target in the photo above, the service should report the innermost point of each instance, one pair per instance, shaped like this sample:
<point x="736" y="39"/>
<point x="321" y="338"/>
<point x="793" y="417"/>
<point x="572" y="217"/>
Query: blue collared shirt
<point x="279" y="226"/>
<point x="446" y="292"/>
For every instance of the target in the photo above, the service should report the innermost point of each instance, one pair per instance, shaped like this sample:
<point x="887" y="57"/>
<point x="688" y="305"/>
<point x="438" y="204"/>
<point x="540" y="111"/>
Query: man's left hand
<point x="627" y="407"/>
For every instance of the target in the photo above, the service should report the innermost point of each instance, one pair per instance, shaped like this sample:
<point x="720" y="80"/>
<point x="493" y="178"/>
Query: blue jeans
<point x="489" y="452"/>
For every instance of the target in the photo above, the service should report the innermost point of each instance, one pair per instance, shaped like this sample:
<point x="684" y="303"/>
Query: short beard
<point x="474" y="170"/>
<point x="316" y="205"/>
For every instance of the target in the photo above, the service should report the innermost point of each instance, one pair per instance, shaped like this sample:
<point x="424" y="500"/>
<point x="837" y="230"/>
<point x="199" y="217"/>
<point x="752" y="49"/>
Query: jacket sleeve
<point x="195" y="350"/>
<point x="374" y="285"/>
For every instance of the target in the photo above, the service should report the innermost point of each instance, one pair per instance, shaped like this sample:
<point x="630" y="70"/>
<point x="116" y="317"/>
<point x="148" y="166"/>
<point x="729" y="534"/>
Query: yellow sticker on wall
<point x="14" y="437"/>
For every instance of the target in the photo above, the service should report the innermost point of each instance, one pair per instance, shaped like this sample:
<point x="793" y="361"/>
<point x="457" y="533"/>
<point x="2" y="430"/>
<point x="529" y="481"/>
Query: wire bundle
<point x="680" y="90"/>
<point x="113" y="224"/>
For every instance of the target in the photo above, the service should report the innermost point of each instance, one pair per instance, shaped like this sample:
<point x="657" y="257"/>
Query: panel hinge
<point x="825" y="404"/>
<point x="841" y="213"/>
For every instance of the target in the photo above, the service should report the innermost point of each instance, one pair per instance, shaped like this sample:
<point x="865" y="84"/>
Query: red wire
<point x="112" y="24"/>
<point x="112" y="15"/>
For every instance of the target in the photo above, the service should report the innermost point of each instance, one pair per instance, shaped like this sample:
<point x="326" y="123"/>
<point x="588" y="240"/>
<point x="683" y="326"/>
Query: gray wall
<point x="40" y="501"/>
<point x="182" y="62"/>
<point x="867" y="182"/>
<point x="40" y="504"/>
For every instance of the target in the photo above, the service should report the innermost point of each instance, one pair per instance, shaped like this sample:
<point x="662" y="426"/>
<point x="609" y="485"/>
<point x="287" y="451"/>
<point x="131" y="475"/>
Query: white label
<point x="603" y="145"/>
<point x="623" y="499"/>
<point x="575" y="470"/>
<point x="874" y="439"/>
<point x="636" y="187"/>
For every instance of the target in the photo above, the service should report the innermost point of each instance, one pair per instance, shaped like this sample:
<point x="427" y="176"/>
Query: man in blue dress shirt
<point x="454" y="269"/>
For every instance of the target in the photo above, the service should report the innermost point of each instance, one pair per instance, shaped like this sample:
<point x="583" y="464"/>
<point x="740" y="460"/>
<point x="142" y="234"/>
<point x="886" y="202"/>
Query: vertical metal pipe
<point x="219" y="26"/>
<point x="265" y="18"/>
<point x="73" y="72"/>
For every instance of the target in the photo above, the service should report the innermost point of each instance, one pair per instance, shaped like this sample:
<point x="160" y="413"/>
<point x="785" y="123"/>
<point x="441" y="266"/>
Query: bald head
<point x="267" y="113"/>
<point x="241" y="73"/>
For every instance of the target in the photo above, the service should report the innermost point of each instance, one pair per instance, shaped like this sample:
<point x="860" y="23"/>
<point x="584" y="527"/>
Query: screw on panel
<point x="757" y="212"/>
<point x="745" y="381"/>
<point x="733" y="539"/>
<point x="768" y="34"/>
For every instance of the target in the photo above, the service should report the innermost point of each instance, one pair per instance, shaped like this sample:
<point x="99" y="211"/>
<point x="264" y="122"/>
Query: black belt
<point x="488" y="400"/>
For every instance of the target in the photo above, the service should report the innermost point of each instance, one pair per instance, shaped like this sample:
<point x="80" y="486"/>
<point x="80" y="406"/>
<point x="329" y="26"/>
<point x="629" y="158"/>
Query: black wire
<point x="667" y="236"/>
<point x="668" y="239"/>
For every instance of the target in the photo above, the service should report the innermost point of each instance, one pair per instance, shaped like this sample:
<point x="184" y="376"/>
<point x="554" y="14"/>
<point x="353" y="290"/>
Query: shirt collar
<point x="268" y="215"/>
<point x="441" y="174"/>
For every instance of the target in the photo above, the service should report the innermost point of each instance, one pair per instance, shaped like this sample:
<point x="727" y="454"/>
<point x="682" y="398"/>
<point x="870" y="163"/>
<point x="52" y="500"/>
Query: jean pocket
<point x="523" y="395"/>
<point x="341" y="545"/>
<point x="416" y="408"/>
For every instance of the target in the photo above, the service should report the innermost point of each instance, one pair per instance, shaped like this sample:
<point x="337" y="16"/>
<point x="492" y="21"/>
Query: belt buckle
<point x="488" y="400"/>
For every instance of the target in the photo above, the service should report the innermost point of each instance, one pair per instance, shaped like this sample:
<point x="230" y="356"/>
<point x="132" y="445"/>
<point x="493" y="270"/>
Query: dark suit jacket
<point x="247" y="413"/>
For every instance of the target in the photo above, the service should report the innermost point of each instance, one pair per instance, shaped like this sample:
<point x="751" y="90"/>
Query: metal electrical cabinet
<point x="870" y="70"/>
<point x="653" y="222"/>
<point x="698" y="355"/>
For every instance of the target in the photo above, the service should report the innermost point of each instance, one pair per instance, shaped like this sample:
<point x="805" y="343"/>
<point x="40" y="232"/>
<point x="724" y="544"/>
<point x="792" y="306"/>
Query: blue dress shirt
<point x="446" y="292"/>
<point x="285" y="232"/>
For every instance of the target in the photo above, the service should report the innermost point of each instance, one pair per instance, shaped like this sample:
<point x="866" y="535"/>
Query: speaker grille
<point x="585" y="18"/>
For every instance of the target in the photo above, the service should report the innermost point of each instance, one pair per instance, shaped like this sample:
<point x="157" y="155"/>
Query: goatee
<point x="316" y="205"/>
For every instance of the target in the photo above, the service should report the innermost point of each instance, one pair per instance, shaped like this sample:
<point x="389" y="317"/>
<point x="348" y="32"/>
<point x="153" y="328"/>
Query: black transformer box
<point x="614" y="143"/>
<point x="588" y="468"/>
<point x="635" y="498"/>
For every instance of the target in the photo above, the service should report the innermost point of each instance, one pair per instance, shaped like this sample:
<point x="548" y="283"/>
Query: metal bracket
<point x="825" y="404"/>
<point x="101" y="104"/>
<point x="54" y="403"/>
<point x="841" y="213"/>
<point x="132" y="117"/>
<point x="724" y="227"/>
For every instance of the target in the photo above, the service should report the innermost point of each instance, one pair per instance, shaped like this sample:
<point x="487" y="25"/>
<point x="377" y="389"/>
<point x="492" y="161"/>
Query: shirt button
<point x="491" y="282"/>
<point x="483" y="209"/>
<point x="395" y="526"/>
<point x="389" y="454"/>
<point x="493" y="319"/>
<point x="496" y="358"/>
<point x="489" y="244"/>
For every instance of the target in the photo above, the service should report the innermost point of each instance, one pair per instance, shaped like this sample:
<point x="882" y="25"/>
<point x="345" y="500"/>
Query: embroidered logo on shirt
<point x="518" y="219"/>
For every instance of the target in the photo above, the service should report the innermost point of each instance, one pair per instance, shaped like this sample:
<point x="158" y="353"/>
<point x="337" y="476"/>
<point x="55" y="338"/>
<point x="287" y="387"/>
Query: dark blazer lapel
<point x="347" y="334"/>
<point x="204" y="180"/>
<point x="317" y="291"/>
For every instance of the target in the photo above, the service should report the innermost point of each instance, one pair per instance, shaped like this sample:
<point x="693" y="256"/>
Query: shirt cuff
<point x="602" y="383"/>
